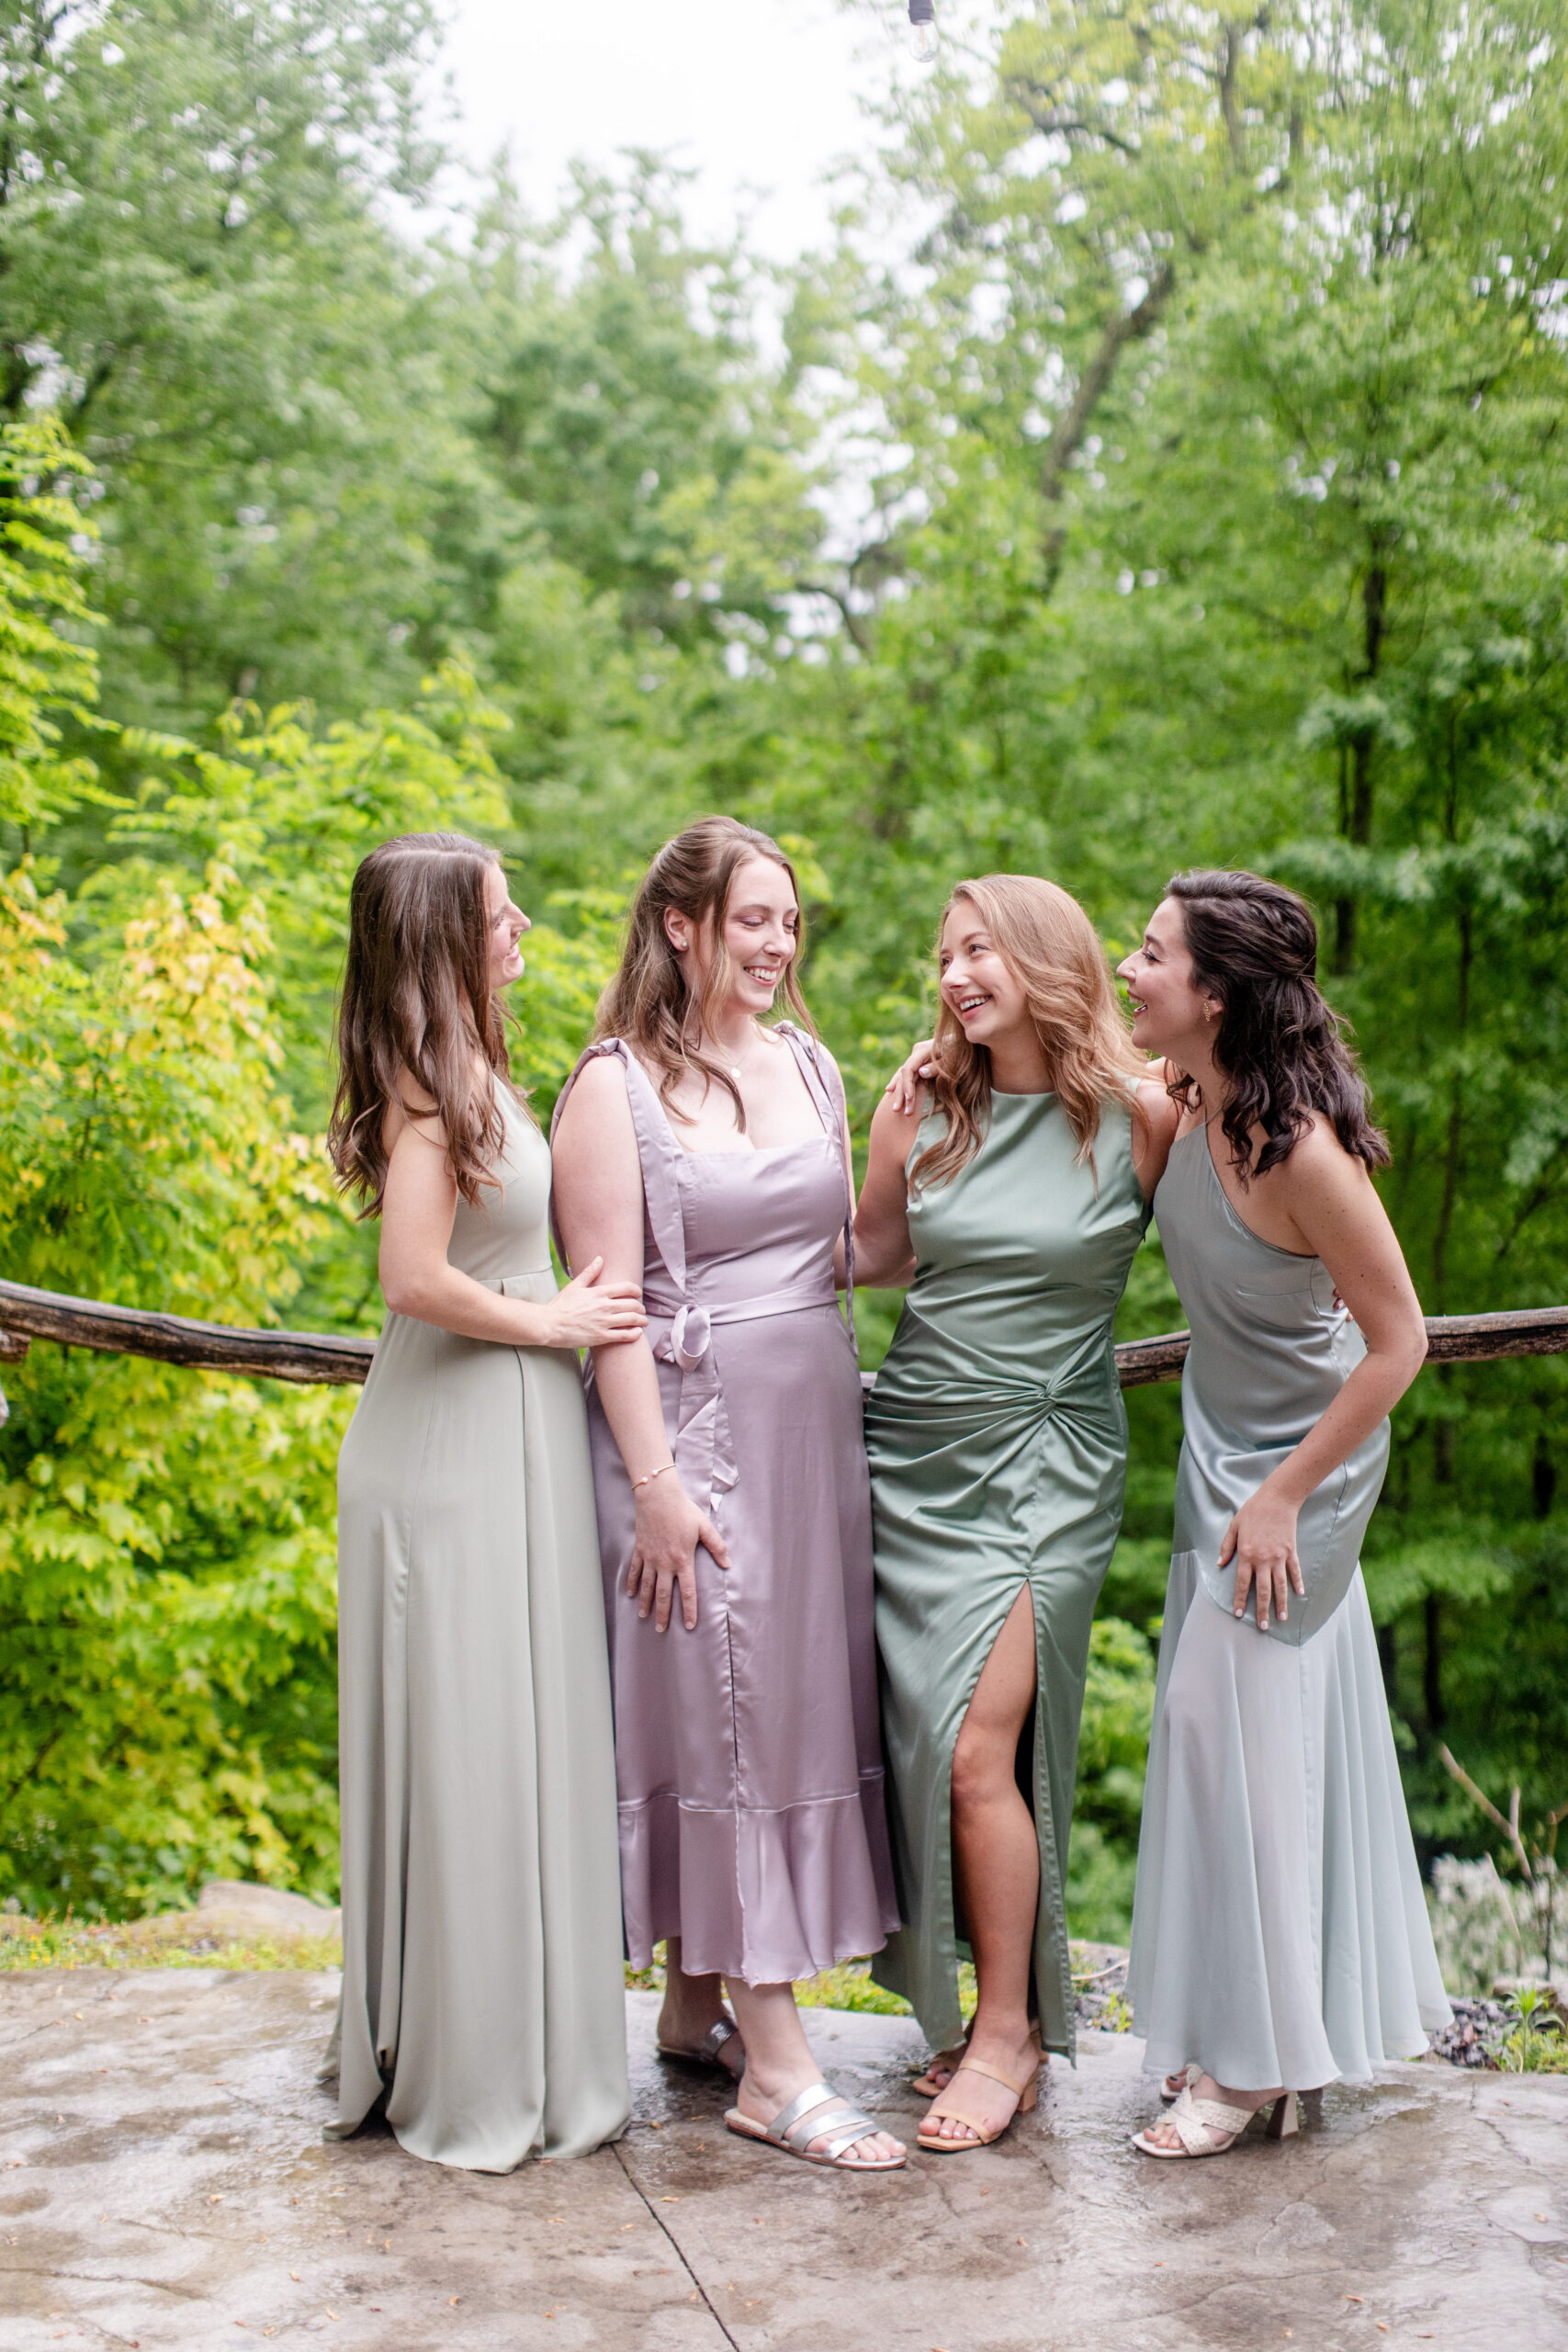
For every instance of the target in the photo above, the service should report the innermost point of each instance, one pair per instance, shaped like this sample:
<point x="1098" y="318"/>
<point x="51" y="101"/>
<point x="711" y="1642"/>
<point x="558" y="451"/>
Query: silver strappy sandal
<point x="792" y="2130"/>
<point x="710" y="2049"/>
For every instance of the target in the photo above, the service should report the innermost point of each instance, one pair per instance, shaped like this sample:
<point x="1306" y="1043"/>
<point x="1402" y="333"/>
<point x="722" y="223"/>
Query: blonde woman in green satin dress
<point x="997" y="1445"/>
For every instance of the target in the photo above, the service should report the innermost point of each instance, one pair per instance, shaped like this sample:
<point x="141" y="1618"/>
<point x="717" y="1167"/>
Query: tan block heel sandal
<point x="1027" y="2094"/>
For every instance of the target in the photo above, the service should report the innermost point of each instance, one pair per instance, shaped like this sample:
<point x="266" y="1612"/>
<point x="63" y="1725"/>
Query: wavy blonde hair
<point x="1050" y="946"/>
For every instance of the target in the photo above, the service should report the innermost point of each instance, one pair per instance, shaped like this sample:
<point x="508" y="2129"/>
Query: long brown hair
<point x="1254" y="945"/>
<point x="1050" y="946"/>
<point x="647" y="1003"/>
<point x="416" y="997"/>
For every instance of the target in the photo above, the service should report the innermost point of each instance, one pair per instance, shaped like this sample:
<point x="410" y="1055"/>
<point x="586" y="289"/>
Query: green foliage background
<point x="1162" y="465"/>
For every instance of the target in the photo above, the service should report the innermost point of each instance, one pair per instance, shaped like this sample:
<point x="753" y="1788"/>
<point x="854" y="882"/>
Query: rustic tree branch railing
<point x="316" y="1356"/>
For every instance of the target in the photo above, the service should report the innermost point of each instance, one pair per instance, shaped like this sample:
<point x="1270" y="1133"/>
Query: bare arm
<point x="1153" y="1134"/>
<point x="418" y="1211"/>
<point x="883" y="1253"/>
<point x="841" y="1267"/>
<point x="598" y="1190"/>
<point x="1331" y="1202"/>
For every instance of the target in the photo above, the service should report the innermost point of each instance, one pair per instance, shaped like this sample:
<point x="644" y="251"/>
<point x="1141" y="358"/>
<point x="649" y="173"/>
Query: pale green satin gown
<point x="483" y="2000"/>
<point x="998" y="1450"/>
<point x="1280" y="1933"/>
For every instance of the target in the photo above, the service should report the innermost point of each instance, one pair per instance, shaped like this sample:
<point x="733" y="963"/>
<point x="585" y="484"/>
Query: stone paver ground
<point x="163" y="2184"/>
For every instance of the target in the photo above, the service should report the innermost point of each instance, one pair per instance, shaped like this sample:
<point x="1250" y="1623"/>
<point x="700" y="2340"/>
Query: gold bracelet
<point x="649" y="1477"/>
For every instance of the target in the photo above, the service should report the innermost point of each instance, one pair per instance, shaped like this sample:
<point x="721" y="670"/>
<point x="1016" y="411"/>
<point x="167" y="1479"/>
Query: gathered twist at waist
<point x="970" y="1386"/>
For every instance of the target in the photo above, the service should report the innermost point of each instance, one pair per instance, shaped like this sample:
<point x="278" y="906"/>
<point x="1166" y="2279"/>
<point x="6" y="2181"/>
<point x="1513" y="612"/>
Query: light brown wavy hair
<point x="647" y="1003"/>
<point x="416" y="997"/>
<point x="1050" y="946"/>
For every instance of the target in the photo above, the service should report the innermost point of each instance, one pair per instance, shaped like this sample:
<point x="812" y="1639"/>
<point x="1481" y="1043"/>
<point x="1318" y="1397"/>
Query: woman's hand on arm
<point x="1331" y="1200"/>
<point x="883" y="1256"/>
<point x="599" y="1204"/>
<point x="909" y="1082"/>
<point x="418" y="1210"/>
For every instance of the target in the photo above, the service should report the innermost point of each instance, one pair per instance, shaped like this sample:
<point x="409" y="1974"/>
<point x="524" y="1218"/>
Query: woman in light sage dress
<point x="706" y="1157"/>
<point x="1280" y="1937"/>
<point x="997" y="1446"/>
<point x="483" y="2003"/>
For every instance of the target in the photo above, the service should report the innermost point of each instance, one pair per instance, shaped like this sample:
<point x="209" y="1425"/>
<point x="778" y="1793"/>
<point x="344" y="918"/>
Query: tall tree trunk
<point x="1127" y="326"/>
<point x="1356" y="791"/>
<point x="1432" y="1676"/>
<point x="1452" y="1155"/>
<point x="1543" y="1477"/>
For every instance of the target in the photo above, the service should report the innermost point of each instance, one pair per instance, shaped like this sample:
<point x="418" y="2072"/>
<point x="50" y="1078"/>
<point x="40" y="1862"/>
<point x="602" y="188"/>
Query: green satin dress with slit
<point x="999" y="1451"/>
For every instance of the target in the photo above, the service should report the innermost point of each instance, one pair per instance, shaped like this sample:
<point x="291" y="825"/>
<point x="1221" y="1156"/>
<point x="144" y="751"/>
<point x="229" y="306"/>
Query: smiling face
<point x="761" y="934"/>
<point x="507" y="923"/>
<point x="1171" y="1015"/>
<point x="984" y="993"/>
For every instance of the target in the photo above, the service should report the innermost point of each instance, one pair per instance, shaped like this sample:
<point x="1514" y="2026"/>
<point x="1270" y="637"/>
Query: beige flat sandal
<point x="1027" y="2093"/>
<point x="792" y="2130"/>
<point x="1207" y="2127"/>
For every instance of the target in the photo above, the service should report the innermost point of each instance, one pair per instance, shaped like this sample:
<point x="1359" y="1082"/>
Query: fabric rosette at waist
<point x="681" y="1333"/>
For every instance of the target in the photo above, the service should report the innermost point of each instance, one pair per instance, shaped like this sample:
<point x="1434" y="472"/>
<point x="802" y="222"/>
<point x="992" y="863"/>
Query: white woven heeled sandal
<point x="1207" y="2127"/>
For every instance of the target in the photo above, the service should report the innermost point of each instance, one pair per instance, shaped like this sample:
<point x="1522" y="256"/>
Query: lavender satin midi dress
<point x="748" y="1756"/>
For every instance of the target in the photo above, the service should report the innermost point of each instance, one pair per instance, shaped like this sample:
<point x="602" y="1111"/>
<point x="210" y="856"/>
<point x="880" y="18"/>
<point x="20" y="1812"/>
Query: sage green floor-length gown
<point x="483" y="1989"/>
<point x="998" y="1448"/>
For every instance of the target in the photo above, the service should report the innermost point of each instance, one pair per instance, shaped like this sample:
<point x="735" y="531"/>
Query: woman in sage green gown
<point x="483" y="2000"/>
<point x="997" y="1447"/>
<point x="1280" y="1934"/>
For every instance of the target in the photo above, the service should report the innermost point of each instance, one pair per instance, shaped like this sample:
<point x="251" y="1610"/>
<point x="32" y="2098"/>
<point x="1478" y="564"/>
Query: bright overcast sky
<point x="758" y="95"/>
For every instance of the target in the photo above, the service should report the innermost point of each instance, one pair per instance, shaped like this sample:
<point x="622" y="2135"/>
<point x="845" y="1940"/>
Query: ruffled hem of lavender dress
<point x="768" y="1898"/>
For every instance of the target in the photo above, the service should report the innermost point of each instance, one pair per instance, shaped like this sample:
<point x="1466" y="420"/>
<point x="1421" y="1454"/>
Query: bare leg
<point x="779" y="2066"/>
<point x="997" y="1857"/>
<point x="693" y="2007"/>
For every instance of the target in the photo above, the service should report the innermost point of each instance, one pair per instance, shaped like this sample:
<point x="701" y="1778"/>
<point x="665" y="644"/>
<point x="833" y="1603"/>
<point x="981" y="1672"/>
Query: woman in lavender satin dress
<point x="708" y="1157"/>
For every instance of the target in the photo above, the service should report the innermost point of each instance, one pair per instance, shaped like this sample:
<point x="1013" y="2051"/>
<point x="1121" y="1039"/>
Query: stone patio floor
<point x="164" y="2183"/>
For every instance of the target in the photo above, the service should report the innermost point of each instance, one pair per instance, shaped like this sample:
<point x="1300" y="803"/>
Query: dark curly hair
<point x="1254" y="947"/>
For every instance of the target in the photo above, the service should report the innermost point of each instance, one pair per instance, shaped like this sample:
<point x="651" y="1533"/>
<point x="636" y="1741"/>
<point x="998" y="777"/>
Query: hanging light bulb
<point x="923" y="30"/>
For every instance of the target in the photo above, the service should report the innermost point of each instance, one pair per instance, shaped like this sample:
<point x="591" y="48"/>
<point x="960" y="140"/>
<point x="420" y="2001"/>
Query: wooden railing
<point x="315" y="1356"/>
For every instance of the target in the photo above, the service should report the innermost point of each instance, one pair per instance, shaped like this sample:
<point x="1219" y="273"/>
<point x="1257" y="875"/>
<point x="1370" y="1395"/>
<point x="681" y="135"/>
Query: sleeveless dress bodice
<point x="1269" y="1352"/>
